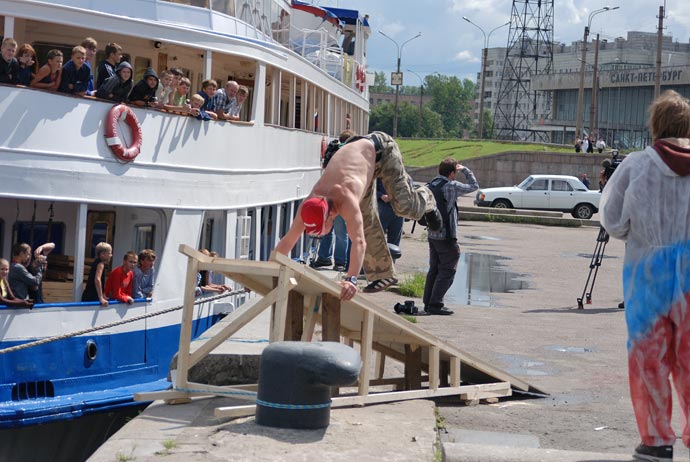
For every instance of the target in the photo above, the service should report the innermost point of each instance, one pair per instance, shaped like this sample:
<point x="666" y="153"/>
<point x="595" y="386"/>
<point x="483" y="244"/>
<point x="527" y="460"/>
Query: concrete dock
<point x="535" y="333"/>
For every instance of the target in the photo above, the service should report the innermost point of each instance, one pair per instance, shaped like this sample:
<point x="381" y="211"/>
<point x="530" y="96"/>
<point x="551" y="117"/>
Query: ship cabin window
<point x="38" y="233"/>
<point x="198" y="3"/>
<point x="207" y="234"/>
<point x="140" y="66"/>
<point x="144" y="237"/>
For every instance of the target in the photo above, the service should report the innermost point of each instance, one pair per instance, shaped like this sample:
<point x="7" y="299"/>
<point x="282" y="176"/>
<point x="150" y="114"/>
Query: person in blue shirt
<point x="144" y="274"/>
<point x="75" y="73"/>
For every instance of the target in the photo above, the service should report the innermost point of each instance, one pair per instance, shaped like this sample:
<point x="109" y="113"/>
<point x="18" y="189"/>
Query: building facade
<point x="624" y="87"/>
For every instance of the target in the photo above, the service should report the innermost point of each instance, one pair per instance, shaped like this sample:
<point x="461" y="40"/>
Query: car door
<point x="536" y="194"/>
<point x="561" y="195"/>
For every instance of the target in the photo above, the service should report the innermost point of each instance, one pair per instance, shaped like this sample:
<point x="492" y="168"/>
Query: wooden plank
<point x="239" y="318"/>
<point x="183" y="357"/>
<point x="294" y="324"/>
<point x="489" y="390"/>
<point x="366" y="352"/>
<point x="434" y="367"/>
<point x="255" y="268"/>
<point x="380" y="362"/>
<point x="413" y="367"/>
<point x="454" y="371"/>
<point x="279" y="317"/>
<point x="312" y="309"/>
<point x="346" y="401"/>
<point x="228" y="391"/>
<point x="330" y="318"/>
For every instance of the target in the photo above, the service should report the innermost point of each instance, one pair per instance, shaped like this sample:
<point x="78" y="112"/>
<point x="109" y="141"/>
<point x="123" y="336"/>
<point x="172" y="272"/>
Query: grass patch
<point x="412" y="319"/>
<point x="422" y="153"/>
<point x="413" y="286"/>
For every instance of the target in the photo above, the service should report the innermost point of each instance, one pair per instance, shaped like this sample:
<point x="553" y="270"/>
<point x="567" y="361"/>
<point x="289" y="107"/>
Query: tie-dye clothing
<point x="647" y="203"/>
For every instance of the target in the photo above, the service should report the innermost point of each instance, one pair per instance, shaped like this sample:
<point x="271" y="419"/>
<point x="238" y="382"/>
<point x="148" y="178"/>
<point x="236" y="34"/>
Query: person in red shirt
<point x="119" y="284"/>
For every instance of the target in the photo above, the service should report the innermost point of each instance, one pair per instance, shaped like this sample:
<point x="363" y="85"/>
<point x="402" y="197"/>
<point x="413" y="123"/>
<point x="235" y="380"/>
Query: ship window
<point x="38" y="233"/>
<point x="143" y="237"/>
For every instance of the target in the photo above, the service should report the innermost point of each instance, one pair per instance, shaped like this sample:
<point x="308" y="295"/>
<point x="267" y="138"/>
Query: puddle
<point x="588" y="256"/>
<point x="482" y="238"/>
<point x="479" y="276"/>
<point x="520" y="365"/>
<point x="564" y="349"/>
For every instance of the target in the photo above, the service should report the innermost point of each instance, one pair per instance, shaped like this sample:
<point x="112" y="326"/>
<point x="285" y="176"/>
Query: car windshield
<point x="525" y="182"/>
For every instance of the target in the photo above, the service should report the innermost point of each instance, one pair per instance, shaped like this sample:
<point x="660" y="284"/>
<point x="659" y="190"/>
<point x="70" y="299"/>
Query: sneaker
<point x="379" y="285"/>
<point x="339" y="267"/>
<point x="319" y="263"/>
<point x="433" y="220"/>
<point x="653" y="453"/>
<point x="440" y="310"/>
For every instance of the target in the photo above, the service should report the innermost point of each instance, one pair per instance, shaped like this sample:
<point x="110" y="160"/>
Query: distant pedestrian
<point x="590" y="145"/>
<point x="578" y="145"/>
<point x="585" y="180"/>
<point x="444" y="250"/>
<point x="646" y="204"/>
<point x="601" y="145"/>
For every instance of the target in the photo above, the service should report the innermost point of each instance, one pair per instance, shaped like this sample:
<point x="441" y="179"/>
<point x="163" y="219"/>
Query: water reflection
<point x="479" y="276"/>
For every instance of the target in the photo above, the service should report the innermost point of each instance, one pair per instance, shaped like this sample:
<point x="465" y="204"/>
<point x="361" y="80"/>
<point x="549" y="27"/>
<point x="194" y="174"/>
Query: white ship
<point x="226" y="186"/>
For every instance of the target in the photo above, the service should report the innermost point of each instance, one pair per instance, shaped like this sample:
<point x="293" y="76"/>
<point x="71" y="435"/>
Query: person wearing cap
<point x="348" y="188"/>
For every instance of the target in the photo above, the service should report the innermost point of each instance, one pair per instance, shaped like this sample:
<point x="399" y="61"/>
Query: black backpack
<point x="331" y="149"/>
<point x="436" y="187"/>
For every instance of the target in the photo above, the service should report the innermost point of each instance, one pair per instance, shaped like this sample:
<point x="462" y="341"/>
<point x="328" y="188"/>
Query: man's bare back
<point x="352" y="170"/>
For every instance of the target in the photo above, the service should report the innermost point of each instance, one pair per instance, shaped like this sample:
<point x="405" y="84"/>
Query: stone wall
<point x="509" y="168"/>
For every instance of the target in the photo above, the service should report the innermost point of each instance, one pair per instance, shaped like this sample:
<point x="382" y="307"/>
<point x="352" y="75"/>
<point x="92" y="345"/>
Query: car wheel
<point x="502" y="204"/>
<point x="583" y="211"/>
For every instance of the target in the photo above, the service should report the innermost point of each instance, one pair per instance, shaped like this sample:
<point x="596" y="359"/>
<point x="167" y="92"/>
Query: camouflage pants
<point x="407" y="201"/>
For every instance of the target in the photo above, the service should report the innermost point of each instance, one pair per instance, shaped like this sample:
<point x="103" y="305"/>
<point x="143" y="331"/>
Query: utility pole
<point x="659" y="43"/>
<point x="421" y="97"/>
<point x="399" y="81"/>
<point x="595" y="89"/>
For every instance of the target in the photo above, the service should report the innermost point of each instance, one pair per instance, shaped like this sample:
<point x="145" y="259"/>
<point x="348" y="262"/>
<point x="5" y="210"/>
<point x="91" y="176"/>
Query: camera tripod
<point x="594" y="264"/>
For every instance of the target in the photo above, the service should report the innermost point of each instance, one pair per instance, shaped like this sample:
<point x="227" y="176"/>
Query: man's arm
<point x="348" y="208"/>
<point x="292" y="236"/>
<point x="472" y="184"/>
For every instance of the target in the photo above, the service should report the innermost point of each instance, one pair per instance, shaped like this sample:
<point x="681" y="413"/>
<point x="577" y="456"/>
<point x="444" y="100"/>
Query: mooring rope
<point x="114" y="324"/>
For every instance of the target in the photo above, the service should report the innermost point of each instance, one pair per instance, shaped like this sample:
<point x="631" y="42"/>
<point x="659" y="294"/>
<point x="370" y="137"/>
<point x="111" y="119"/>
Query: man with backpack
<point x="444" y="250"/>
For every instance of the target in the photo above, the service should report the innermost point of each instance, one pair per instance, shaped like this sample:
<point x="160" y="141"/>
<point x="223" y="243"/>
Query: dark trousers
<point x="443" y="262"/>
<point x="391" y="223"/>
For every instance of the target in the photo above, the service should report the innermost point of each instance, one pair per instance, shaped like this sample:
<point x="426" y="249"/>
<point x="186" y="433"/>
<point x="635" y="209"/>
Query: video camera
<point x="610" y="165"/>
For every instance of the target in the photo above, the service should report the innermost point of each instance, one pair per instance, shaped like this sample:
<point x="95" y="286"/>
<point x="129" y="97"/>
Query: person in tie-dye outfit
<point x="647" y="203"/>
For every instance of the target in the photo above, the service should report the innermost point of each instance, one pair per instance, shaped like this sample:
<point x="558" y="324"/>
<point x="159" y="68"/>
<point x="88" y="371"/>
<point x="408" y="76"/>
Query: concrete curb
<point x="523" y="216"/>
<point x="463" y="452"/>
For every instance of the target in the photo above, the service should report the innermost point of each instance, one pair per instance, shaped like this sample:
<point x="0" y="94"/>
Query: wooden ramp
<point x="300" y="298"/>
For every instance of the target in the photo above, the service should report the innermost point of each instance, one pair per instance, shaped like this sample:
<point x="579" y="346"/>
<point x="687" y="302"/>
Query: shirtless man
<point x="347" y="188"/>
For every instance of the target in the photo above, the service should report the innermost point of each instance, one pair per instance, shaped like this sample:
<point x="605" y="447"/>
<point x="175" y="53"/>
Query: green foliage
<point x="452" y="99"/>
<point x="425" y="152"/>
<point x="413" y="286"/>
<point x="412" y="319"/>
<point x="381" y="119"/>
<point x="380" y="85"/>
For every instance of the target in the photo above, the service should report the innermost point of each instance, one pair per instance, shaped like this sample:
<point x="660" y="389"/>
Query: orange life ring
<point x="324" y="146"/>
<point x="125" y="154"/>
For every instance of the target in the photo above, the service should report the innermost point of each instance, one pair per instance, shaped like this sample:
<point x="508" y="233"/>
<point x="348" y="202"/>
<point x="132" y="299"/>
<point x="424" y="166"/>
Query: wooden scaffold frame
<point x="300" y="298"/>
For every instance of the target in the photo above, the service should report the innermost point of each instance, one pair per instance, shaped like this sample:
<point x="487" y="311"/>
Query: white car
<point x="544" y="192"/>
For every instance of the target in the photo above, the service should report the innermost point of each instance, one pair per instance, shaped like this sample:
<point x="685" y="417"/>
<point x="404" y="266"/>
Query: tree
<point x="380" y="85"/>
<point x="452" y="99"/>
<point x="381" y="119"/>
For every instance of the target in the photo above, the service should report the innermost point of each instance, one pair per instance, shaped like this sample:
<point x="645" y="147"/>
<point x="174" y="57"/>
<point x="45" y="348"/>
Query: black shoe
<point x="339" y="267"/>
<point x="621" y="305"/>
<point x="379" y="285"/>
<point x="319" y="263"/>
<point x="440" y="310"/>
<point x="653" y="453"/>
<point x="433" y="220"/>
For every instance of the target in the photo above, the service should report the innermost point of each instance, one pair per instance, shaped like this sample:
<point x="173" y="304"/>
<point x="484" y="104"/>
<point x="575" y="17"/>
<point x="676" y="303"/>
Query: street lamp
<point x="421" y="96"/>
<point x="485" y="51"/>
<point x="578" y="122"/>
<point x="398" y="83"/>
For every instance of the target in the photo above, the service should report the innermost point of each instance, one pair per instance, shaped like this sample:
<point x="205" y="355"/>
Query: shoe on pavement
<point x="339" y="267"/>
<point x="433" y="220"/>
<point x="440" y="310"/>
<point x="653" y="453"/>
<point x="379" y="285"/>
<point x="319" y="263"/>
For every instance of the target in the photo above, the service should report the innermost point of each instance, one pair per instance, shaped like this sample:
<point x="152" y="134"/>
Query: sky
<point x="451" y="46"/>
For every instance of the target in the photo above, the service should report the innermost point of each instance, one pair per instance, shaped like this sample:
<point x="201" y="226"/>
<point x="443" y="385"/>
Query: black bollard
<point x="295" y="380"/>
